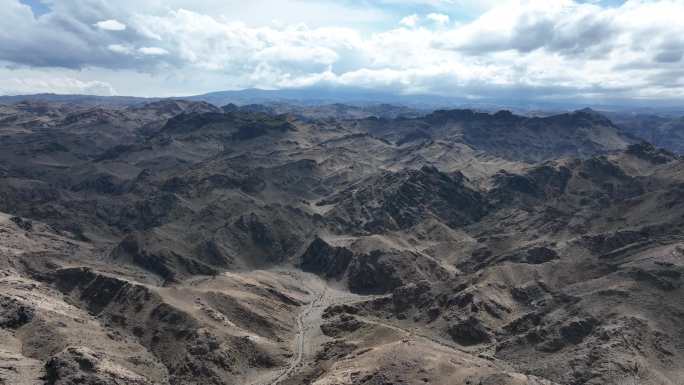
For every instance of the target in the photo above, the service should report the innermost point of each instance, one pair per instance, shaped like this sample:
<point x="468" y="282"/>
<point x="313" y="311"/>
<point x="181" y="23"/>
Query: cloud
<point x="550" y="48"/>
<point x="669" y="56"/>
<point x="438" y="18"/>
<point x="65" y="37"/>
<point x="57" y="85"/>
<point x="410" y="21"/>
<point x="111" y="25"/>
<point x="153" y="51"/>
<point x="560" y="26"/>
<point x="208" y="44"/>
<point x="120" y="48"/>
<point x="568" y="28"/>
<point x="467" y="6"/>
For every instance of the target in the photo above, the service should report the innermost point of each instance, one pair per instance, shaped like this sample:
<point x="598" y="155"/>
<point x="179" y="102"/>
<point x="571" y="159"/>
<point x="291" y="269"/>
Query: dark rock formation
<point x="14" y="314"/>
<point x="395" y="201"/>
<point x="80" y="365"/>
<point x="468" y="332"/>
<point x="329" y="261"/>
<point x="23" y="224"/>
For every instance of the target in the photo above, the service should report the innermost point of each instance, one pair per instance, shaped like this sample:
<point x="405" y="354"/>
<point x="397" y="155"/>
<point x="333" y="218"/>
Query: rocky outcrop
<point x="163" y="261"/>
<point x="22" y="223"/>
<point x="416" y="294"/>
<point x="192" y="354"/>
<point x="326" y="260"/>
<point x="393" y="201"/>
<point x="538" y="184"/>
<point x="571" y="332"/>
<point x="14" y="314"/>
<point x="81" y="365"/>
<point x="383" y="271"/>
<point x="649" y="152"/>
<point x="340" y="326"/>
<point x="468" y="332"/>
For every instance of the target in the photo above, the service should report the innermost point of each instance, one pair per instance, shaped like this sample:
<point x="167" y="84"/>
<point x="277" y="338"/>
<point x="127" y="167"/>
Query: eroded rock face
<point x="468" y="332"/>
<point x="14" y="314"/>
<point x="81" y="365"/>
<point x="576" y="330"/>
<point x="151" y="255"/>
<point x="329" y="261"/>
<point x="663" y="279"/>
<point x="190" y="352"/>
<point x="609" y="242"/>
<point x="541" y="182"/>
<point x="22" y="223"/>
<point x="380" y="271"/>
<point x="394" y="201"/>
<point x="375" y="272"/>
<point x="649" y="152"/>
<point x="539" y="255"/>
<point x="338" y="327"/>
<point x="571" y="332"/>
<point x="372" y="274"/>
<point x="412" y="294"/>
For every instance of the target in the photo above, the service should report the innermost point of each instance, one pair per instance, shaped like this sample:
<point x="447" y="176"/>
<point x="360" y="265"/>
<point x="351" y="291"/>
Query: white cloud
<point x="410" y="21"/>
<point x="448" y="5"/>
<point x="550" y="48"/>
<point x="120" y="48"/>
<point x="111" y="25"/>
<point x="153" y="51"/>
<point x="438" y="18"/>
<point x="209" y="44"/>
<point x="57" y="85"/>
<point x="297" y="54"/>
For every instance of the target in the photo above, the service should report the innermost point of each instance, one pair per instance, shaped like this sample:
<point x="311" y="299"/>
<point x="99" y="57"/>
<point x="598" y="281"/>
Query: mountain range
<point x="230" y="239"/>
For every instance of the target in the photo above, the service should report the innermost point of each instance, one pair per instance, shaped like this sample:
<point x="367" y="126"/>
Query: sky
<point x="476" y="49"/>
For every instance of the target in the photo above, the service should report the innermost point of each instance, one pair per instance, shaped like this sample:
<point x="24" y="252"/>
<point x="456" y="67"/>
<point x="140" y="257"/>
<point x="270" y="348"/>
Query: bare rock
<point x="469" y="332"/>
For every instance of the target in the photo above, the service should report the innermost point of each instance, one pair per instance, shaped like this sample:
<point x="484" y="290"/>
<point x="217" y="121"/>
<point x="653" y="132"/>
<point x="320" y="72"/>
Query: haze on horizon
<point x="526" y="49"/>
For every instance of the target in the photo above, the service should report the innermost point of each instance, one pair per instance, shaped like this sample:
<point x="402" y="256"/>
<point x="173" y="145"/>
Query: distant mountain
<point x="318" y="96"/>
<point x="304" y="96"/>
<point x="77" y="99"/>
<point x="506" y="135"/>
<point x="662" y="130"/>
<point x="362" y="97"/>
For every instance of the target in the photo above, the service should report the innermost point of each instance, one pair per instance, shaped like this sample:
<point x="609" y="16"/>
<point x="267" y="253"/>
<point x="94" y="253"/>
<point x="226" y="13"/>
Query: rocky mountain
<point x="175" y="242"/>
<point x="85" y="100"/>
<point x="663" y="130"/>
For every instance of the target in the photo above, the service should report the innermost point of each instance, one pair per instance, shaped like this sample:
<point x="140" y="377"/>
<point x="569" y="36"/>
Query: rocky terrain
<point x="663" y="130"/>
<point x="177" y="242"/>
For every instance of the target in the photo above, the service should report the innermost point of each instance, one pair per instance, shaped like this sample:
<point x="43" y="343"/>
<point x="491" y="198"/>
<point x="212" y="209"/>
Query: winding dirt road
<point x="300" y="338"/>
<point x="308" y="336"/>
